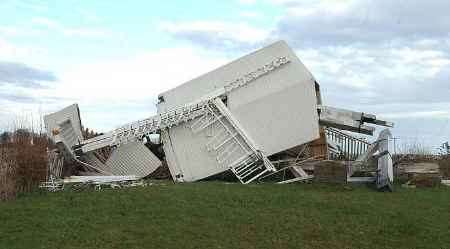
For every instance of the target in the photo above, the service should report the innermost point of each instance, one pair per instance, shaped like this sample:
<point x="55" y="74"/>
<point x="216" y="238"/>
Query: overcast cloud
<point x="364" y="22"/>
<point x="22" y="75"/>
<point x="388" y="57"/>
<point x="372" y="51"/>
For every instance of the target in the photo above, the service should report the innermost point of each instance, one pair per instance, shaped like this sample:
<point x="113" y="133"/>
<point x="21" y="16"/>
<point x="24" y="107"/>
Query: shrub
<point x="23" y="163"/>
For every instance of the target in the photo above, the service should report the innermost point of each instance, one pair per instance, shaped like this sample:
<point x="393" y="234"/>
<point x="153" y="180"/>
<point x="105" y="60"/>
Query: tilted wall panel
<point x="132" y="158"/>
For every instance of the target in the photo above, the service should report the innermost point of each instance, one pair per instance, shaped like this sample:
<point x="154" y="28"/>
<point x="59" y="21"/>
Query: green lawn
<point x="219" y="215"/>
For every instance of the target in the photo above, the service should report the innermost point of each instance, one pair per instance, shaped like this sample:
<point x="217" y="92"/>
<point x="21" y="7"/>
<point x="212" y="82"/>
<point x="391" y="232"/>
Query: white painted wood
<point x="385" y="176"/>
<point x="297" y="179"/>
<point x="79" y="179"/>
<point x="54" y="120"/>
<point x="361" y="179"/>
<point x="132" y="159"/>
<point x="278" y="110"/>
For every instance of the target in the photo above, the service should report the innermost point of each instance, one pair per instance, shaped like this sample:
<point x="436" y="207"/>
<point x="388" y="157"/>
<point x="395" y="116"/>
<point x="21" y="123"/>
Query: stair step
<point x="228" y="154"/>
<point x="231" y="142"/>
<point x="218" y="137"/>
<point x="249" y="166"/>
<point x="225" y="141"/>
<point x="241" y="162"/>
<point x="250" y="170"/>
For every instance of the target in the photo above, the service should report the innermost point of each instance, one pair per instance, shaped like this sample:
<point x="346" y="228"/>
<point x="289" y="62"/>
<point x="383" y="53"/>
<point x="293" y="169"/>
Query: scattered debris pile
<point x="422" y="171"/>
<point x="238" y="118"/>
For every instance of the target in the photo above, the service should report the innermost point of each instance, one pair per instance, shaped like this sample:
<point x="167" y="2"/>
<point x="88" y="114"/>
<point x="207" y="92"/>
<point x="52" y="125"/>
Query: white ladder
<point x="232" y="148"/>
<point x="252" y="167"/>
<point x="135" y="130"/>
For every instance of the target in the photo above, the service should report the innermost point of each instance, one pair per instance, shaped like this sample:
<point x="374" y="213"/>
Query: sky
<point x="387" y="57"/>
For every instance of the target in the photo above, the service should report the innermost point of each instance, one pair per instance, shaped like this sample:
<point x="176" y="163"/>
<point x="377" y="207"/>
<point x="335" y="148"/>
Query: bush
<point x="23" y="163"/>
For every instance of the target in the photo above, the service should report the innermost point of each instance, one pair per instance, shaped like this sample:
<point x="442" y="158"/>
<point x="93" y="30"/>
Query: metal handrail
<point x="350" y="147"/>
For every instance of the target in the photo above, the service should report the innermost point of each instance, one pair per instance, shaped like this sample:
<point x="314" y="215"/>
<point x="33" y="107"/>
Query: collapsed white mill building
<point x="233" y="118"/>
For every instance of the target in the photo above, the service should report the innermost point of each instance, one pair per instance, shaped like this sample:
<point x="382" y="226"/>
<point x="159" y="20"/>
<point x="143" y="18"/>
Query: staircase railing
<point x="349" y="147"/>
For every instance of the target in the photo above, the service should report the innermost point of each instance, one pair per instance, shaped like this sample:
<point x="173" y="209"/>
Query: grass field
<point x="218" y="215"/>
